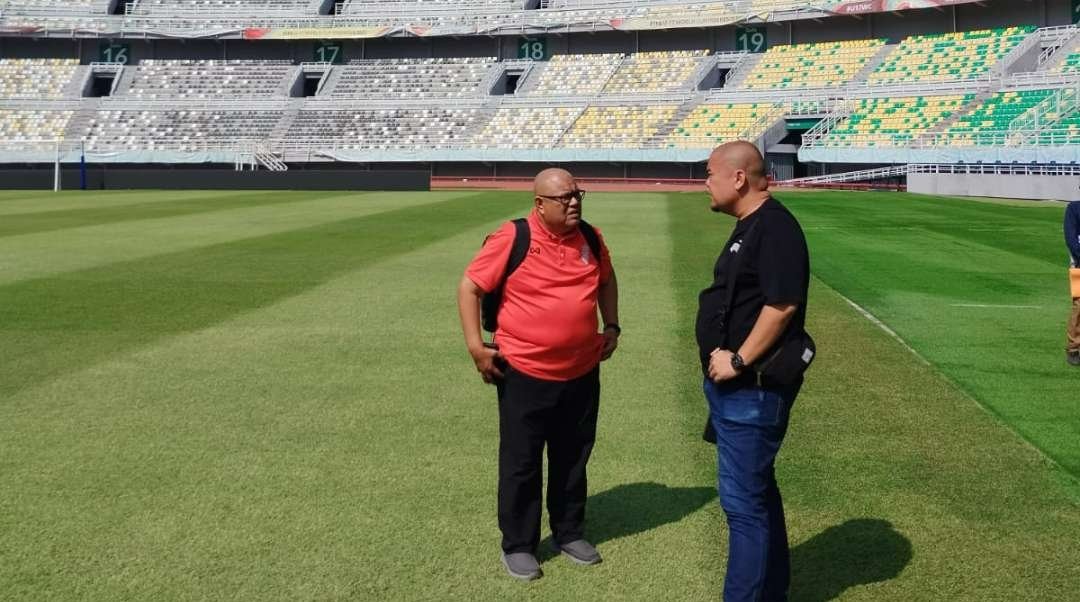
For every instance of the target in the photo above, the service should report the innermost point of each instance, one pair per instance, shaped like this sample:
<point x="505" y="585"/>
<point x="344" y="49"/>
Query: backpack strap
<point x="522" y="238"/>
<point x="593" y="239"/>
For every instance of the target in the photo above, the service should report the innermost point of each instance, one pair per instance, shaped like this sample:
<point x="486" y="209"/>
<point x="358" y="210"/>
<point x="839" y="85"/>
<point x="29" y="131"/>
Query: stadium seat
<point x="894" y="121"/>
<point x="820" y="65"/>
<point x="618" y="126"/>
<point x="35" y="78"/>
<point x="713" y="124"/>
<point x="950" y="56"/>
<point x="655" y="72"/>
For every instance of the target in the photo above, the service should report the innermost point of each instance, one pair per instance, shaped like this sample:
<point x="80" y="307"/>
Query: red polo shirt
<point x="547" y="322"/>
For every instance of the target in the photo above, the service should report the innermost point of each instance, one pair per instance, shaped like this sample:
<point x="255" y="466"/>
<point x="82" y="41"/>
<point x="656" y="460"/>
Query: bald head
<point x="557" y="200"/>
<point x="743" y="156"/>
<point x="553" y="182"/>
<point x="737" y="179"/>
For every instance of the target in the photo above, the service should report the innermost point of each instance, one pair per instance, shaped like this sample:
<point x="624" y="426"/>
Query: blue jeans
<point x="750" y="425"/>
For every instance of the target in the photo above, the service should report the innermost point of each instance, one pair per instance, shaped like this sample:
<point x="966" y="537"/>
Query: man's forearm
<point x="608" y="299"/>
<point x="469" y="311"/>
<point x="767" y="330"/>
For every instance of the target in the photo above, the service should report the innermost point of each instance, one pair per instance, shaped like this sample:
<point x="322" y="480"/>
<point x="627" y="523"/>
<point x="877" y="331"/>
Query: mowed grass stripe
<point x="29" y="201"/>
<point x="45" y="254"/>
<point x="920" y="264"/>
<point x="65" y="322"/>
<point x="897" y="487"/>
<point x="14" y="224"/>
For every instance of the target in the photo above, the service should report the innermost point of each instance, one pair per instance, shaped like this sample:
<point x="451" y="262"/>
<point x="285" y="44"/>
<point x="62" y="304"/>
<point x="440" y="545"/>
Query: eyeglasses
<point x="567" y="198"/>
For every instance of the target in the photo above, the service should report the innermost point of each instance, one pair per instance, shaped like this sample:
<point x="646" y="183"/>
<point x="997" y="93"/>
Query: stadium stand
<point x="208" y="79"/>
<point x="894" y="121"/>
<point x="712" y="124"/>
<point x="821" y="65"/>
<point x="617" y="126"/>
<point x="574" y="75"/>
<point x="948" y="56"/>
<point x="992" y="116"/>
<point x="182" y="130"/>
<point x="229" y="7"/>
<point x="35" y="78"/>
<point x="655" y="71"/>
<point x="526" y="127"/>
<point x="388" y="128"/>
<point x="1071" y="64"/>
<point x="30" y="125"/>
<point x="411" y="78"/>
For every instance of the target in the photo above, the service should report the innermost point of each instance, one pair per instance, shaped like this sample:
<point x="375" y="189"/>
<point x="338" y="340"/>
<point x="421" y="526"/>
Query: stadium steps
<point x="1023" y="57"/>
<point x="1058" y="58"/>
<point x="330" y="81"/>
<point x="943" y="126"/>
<point x="665" y="129"/>
<point x="705" y="65"/>
<point x="127" y="76"/>
<point x="736" y="78"/>
<point x="287" y="118"/>
<point x="528" y="83"/>
<point x="873" y="63"/>
<point x="79" y="125"/>
<point x="558" y="139"/>
<point x="74" y="88"/>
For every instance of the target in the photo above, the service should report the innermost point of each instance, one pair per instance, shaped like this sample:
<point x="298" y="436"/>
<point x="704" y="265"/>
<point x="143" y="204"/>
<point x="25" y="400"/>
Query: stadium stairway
<point x="1058" y="58"/>
<point x="287" y="118"/>
<point x="943" y="126"/>
<point x="739" y="74"/>
<point x="533" y="76"/>
<point x="330" y="80"/>
<point x="79" y="124"/>
<point x="558" y="140"/>
<point x="74" y="87"/>
<point x="873" y="63"/>
<point x="127" y="76"/>
<point x="666" y="128"/>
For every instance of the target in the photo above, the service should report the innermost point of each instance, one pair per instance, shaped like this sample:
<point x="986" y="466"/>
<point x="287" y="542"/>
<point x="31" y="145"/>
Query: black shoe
<point x="522" y="565"/>
<point x="1073" y="357"/>
<point x="579" y="551"/>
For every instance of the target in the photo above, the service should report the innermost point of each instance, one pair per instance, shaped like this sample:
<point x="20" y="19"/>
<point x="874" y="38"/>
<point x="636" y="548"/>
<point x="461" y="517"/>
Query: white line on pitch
<point x="982" y="306"/>
<point x="882" y="326"/>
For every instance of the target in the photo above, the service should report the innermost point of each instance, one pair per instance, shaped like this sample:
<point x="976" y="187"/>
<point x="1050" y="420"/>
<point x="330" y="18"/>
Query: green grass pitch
<point x="265" y="396"/>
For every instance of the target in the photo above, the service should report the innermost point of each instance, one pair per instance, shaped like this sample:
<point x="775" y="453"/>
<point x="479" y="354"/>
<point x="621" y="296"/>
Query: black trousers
<point x="532" y="413"/>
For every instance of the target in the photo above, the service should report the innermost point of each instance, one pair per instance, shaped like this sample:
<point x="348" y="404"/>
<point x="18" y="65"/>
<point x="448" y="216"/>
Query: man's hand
<point x="484" y="358"/>
<point x="611" y="342"/>
<point x="720" y="368"/>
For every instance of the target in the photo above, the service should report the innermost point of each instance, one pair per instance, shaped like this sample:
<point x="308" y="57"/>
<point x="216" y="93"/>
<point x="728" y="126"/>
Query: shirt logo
<point x="735" y="247"/>
<point x="534" y="250"/>
<point x="585" y="254"/>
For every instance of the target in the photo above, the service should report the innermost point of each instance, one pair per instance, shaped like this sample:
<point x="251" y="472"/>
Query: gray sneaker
<point x="580" y="551"/>
<point x="1073" y="357"/>
<point x="522" y="565"/>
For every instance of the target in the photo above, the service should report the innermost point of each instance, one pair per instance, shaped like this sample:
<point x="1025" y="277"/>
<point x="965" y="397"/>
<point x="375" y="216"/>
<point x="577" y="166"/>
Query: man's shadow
<point x="857" y="552"/>
<point x="636" y="508"/>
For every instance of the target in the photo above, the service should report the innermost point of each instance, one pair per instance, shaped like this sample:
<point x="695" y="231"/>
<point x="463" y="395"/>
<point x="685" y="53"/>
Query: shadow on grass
<point x="857" y="552"/>
<point x="635" y="508"/>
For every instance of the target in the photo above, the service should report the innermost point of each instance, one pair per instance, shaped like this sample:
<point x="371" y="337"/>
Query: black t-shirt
<point x="769" y="252"/>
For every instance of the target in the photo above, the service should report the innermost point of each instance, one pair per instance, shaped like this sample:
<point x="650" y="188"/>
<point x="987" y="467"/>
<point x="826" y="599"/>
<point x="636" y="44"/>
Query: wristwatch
<point x="737" y="362"/>
<point x="613" y="326"/>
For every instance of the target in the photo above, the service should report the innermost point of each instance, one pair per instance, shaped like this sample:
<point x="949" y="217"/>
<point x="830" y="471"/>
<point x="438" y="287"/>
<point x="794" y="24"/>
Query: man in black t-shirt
<point x="757" y="299"/>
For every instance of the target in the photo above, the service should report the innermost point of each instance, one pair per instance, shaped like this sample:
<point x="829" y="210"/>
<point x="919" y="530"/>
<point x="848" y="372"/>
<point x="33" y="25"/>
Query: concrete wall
<point x="1062" y="188"/>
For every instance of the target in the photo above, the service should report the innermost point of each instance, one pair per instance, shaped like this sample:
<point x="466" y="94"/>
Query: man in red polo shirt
<point x="546" y="367"/>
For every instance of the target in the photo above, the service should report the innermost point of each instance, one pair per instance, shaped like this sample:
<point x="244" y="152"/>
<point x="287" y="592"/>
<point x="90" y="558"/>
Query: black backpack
<point x="490" y="303"/>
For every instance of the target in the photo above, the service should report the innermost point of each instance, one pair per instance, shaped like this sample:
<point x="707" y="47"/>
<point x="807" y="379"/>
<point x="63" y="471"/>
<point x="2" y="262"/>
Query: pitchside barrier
<point x="99" y="177"/>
